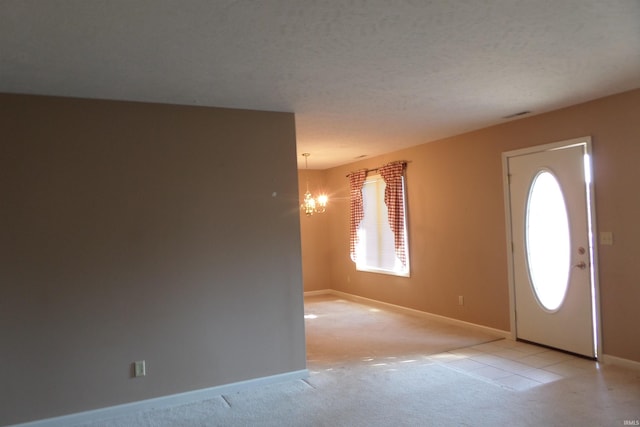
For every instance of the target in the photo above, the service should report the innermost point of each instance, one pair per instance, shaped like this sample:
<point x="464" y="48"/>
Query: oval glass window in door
<point x="548" y="241"/>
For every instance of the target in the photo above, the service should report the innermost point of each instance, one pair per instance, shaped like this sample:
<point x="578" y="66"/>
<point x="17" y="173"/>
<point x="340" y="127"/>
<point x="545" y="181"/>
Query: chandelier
<point x="310" y="204"/>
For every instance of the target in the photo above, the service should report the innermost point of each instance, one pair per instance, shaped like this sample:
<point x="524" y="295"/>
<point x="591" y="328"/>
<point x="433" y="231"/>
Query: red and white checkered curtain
<point x="356" y="181"/>
<point x="394" y="199"/>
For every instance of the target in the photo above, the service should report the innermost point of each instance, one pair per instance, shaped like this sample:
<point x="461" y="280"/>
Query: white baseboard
<point x="619" y="361"/>
<point x="486" y="329"/>
<point x="162" y="402"/>
<point x="316" y="293"/>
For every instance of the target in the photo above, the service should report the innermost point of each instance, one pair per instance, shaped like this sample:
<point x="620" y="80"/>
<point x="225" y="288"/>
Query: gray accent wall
<point x="133" y="231"/>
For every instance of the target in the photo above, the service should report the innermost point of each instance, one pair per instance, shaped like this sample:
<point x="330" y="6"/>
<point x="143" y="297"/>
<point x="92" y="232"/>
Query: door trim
<point x="595" y="287"/>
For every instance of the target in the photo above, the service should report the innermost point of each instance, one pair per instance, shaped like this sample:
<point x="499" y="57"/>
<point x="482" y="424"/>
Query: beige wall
<point x="316" y="260"/>
<point x="134" y="231"/>
<point x="457" y="221"/>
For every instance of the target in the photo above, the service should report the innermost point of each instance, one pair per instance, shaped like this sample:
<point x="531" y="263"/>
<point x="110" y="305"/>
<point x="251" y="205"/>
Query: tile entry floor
<point x="515" y="365"/>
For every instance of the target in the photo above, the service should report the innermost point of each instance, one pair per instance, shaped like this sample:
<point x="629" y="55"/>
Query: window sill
<point x="381" y="271"/>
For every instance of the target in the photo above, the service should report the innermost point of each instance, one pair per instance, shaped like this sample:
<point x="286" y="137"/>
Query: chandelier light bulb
<point x="310" y="204"/>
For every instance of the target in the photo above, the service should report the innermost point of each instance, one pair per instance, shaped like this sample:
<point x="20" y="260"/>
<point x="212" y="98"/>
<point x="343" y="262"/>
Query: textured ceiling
<point x="364" y="77"/>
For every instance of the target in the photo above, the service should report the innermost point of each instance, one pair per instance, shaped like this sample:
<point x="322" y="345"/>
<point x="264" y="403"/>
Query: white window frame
<point x="380" y="209"/>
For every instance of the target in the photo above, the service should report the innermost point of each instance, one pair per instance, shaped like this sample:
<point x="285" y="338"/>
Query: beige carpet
<point x="341" y="331"/>
<point x="378" y="368"/>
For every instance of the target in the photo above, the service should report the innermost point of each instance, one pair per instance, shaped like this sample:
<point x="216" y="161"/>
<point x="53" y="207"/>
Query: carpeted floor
<point x="343" y="331"/>
<point x="375" y="367"/>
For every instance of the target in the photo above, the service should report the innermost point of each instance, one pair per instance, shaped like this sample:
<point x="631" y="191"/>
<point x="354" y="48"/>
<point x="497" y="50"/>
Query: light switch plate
<point x="606" y="238"/>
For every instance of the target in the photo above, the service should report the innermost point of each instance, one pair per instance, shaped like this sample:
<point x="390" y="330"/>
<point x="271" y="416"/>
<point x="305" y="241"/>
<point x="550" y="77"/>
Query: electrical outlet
<point x="139" y="368"/>
<point x="460" y="300"/>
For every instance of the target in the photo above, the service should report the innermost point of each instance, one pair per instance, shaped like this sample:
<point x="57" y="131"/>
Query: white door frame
<point x="595" y="288"/>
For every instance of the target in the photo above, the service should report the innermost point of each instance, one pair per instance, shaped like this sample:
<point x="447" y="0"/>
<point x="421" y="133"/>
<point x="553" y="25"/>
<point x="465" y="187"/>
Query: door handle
<point x="581" y="265"/>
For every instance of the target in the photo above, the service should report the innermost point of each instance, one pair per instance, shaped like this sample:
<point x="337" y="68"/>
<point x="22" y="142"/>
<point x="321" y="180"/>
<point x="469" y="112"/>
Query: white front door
<point x="552" y="252"/>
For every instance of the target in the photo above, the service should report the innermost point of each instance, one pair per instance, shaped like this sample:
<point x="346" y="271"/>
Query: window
<point x="548" y="240"/>
<point x="376" y="246"/>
